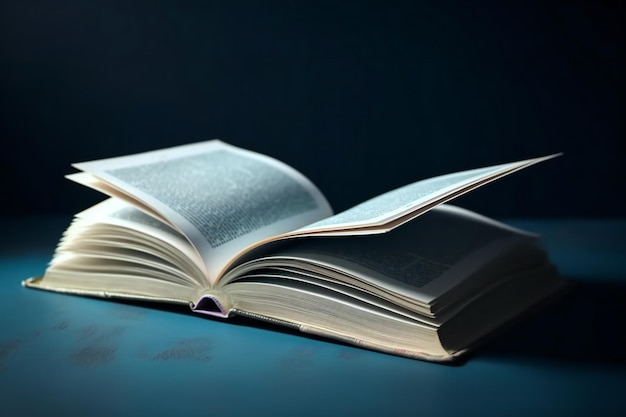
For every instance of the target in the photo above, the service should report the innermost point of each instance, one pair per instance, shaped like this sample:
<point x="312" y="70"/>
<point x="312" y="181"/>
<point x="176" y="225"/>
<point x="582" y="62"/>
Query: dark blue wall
<point x="360" y="96"/>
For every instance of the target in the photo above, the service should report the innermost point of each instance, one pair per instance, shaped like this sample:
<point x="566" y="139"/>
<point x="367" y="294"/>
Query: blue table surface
<point x="68" y="355"/>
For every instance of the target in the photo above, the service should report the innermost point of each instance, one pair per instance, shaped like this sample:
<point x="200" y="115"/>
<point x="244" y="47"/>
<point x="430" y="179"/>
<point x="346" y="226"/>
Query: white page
<point x="118" y="213"/>
<point x="402" y="204"/>
<point x="421" y="260"/>
<point x="221" y="197"/>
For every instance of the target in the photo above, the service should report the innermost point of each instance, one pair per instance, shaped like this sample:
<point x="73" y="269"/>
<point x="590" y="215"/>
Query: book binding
<point x="209" y="305"/>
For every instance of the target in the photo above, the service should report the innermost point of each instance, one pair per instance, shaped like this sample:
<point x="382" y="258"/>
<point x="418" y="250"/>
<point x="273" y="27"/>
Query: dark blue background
<point x="360" y="96"/>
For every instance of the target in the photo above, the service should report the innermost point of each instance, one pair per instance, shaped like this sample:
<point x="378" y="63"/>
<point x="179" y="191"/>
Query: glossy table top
<point x="66" y="355"/>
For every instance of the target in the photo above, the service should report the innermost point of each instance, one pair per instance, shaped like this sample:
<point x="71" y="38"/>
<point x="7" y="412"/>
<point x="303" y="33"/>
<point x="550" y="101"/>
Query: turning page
<point x="394" y="208"/>
<point x="222" y="198"/>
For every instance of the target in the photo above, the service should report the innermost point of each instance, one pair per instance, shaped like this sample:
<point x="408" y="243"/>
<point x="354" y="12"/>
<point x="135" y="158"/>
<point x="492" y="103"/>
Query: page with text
<point x="417" y="263"/>
<point x="221" y="197"/>
<point x="396" y="207"/>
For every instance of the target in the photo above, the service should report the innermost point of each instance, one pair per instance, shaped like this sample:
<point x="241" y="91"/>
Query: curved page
<point x="222" y="198"/>
<point x="394" y="208"/>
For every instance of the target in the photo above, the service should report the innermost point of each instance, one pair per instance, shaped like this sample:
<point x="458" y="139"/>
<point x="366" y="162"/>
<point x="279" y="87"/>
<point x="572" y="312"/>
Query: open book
<point x="232" y="232"/>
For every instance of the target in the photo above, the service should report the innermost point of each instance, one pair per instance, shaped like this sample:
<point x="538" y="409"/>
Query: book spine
<point x="211" y="306"/>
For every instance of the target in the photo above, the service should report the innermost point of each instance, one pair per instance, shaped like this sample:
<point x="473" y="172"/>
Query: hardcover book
<point x="230" y="232"/>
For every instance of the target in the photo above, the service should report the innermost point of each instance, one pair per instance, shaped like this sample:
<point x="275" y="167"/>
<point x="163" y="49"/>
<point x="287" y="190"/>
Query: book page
<point x="114" y="224"/>
<point x="222" y="198"/>
<point x="396" y="207"/>
<point x="417" y="263"/>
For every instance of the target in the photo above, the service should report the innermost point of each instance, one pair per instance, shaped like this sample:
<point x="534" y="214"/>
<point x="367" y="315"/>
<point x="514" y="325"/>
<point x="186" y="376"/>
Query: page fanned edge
<point x="315" y="332"/>
<point x="35" y="283"/>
